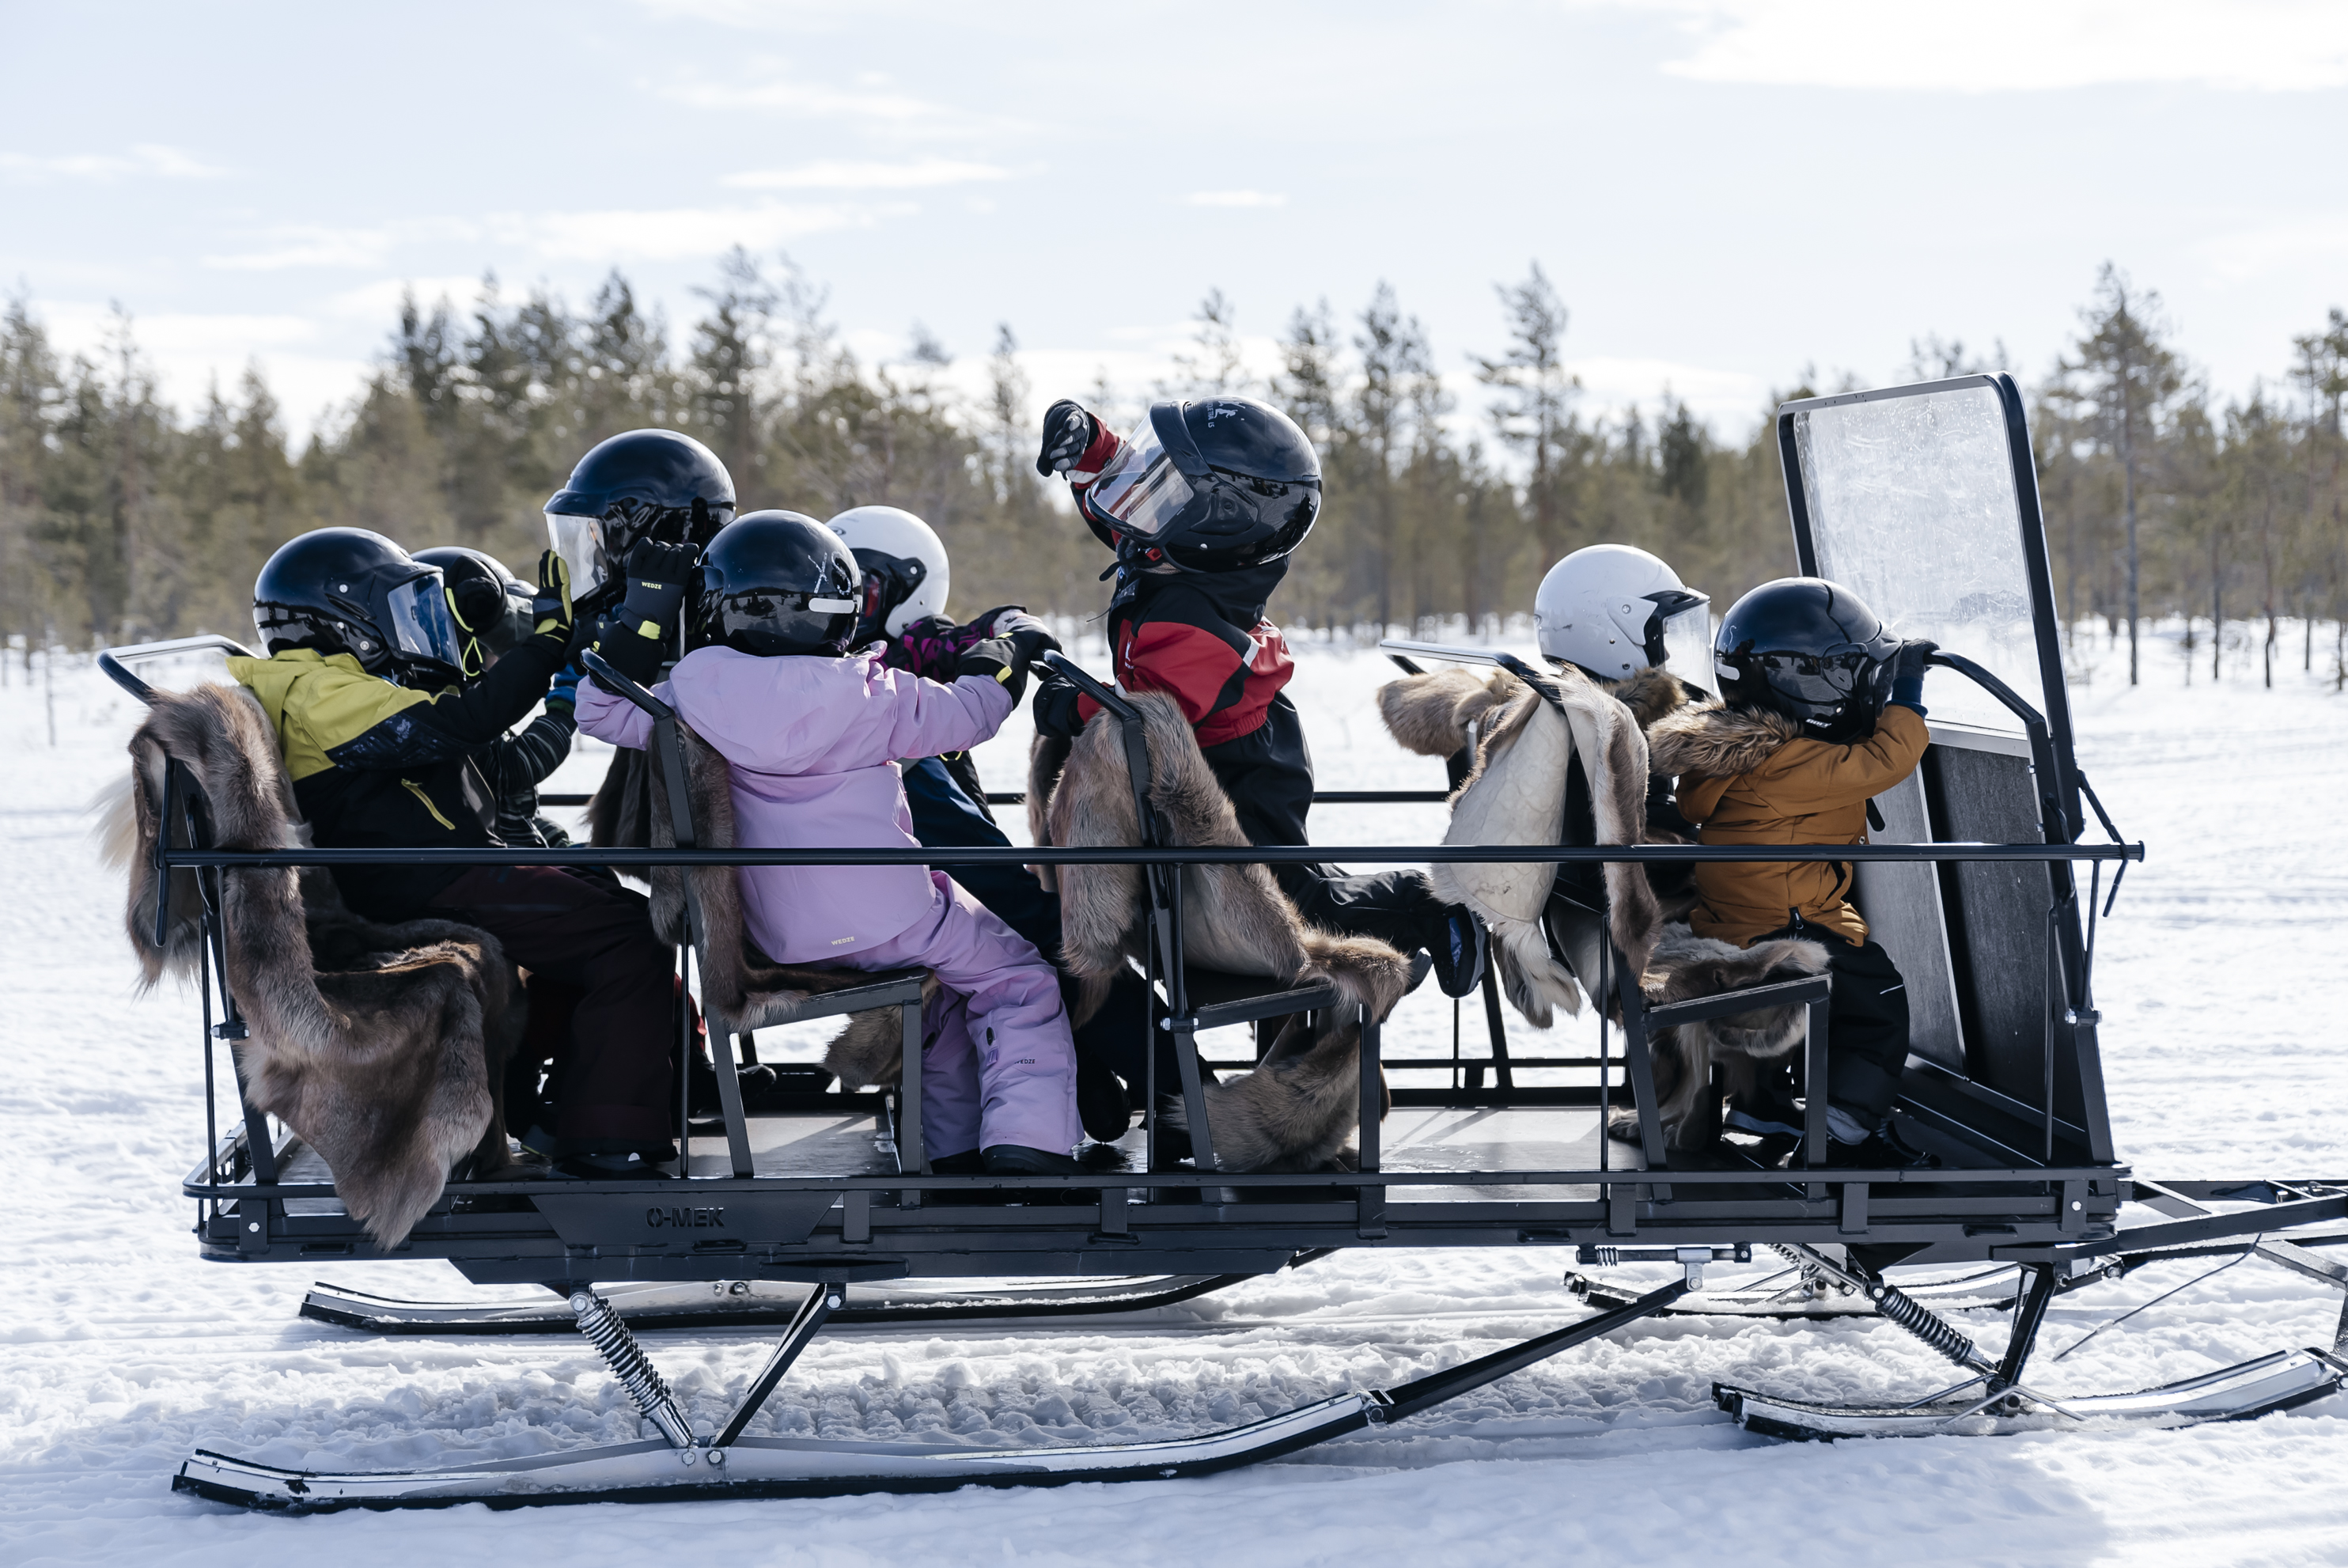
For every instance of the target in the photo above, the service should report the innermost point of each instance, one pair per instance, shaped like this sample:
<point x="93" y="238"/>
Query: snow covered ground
<point x="2219" y="977"/>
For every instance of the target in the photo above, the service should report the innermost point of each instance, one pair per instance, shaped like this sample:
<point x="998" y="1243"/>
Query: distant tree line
<point x="122" y="517"/>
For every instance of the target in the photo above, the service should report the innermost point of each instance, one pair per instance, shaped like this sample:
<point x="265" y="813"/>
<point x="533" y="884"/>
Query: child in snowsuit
<point x="1793" y="756"/>
<point x="813" y="735"/>
<point x="1187" y="619"/>
<point x="384" y="742"/>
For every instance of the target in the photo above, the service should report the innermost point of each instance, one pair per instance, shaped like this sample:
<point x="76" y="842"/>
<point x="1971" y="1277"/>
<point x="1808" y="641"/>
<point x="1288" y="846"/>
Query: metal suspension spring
<point x="610" y="1335"/>
<point x="1923" y="1323"/>
<point x="1899" y="1306"/>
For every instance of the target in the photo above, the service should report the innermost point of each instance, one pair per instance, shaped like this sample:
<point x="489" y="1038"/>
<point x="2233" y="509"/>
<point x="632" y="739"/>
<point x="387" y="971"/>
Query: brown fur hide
<point x="1235" y="919"/>
<point x="1296" y="1111"/>
<point x="383" y="1046"/>
<point x="741" y="987"/>
<point x="1686" y="966"/>
<point x="1516" y="795"/>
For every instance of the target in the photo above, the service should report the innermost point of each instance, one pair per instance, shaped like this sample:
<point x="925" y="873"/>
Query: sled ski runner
<point x="758" y="1304"/>
<point x="684" y="1467"/>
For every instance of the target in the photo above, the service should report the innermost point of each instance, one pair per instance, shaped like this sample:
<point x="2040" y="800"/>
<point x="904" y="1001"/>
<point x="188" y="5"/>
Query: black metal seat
<point x="714" y="934"/>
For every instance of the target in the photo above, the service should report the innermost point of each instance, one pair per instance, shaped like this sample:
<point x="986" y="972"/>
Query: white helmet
<point x="906" y="574"/>
<point x="1614" y="610"/>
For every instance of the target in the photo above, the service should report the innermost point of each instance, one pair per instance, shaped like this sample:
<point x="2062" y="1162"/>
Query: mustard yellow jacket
<point x="1750" y="777"/>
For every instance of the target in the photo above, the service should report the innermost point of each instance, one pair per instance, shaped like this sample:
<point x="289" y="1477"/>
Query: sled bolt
<point x="609" y="1334"/>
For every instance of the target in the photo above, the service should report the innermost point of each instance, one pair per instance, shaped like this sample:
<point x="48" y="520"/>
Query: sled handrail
<point x="110" y="661"/>
<point x="1176" y="855"/>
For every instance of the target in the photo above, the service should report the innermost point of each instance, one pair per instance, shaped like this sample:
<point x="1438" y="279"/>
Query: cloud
<point x="1235" y="199"/>
<point x="150" y="159"/>
<point x="308" y="245"/>
<point x="682" y="232"/>
<point x="2010" y="46"/>
<point x="770" y="84"/>
<point x="835" y="175"/>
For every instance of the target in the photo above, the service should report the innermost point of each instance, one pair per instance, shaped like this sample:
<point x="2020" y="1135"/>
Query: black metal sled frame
<point x="2006" y="1085"/>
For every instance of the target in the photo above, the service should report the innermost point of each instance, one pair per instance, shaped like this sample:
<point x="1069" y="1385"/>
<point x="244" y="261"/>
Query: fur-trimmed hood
<point x="1717" y="742"/>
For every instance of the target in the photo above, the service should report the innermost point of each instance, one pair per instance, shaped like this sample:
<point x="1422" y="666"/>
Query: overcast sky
<point x="1723" y="192"/>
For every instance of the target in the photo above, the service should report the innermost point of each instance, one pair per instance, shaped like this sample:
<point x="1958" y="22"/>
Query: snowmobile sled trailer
<point x="1922" y="499"/>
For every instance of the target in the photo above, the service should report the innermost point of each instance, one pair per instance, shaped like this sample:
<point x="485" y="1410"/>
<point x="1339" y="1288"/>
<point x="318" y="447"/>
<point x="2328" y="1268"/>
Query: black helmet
<point x="774" y="583"/>
<point x="1807" y="649"/>
<point x="1212" y="486"/>
<point x="348" y="591"/>
<point x="645" y="484"/>
<point x="491" y="604"/>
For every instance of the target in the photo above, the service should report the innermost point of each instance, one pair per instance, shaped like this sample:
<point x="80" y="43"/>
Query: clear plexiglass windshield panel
<point x="1912" y="507"/>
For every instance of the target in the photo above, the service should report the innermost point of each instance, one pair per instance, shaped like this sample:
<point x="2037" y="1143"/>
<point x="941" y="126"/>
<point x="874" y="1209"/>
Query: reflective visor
<point x="421" y="625"/>
<point x="1141" y="491"/>
<point x="579" y="542"/>
<point x="1823" y="678"/>
<point x="1688" y="645"/>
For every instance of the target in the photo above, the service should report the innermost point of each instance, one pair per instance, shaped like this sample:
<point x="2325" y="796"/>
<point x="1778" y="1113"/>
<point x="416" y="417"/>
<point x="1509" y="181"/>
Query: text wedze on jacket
<point x="814" y="744"/>
<point x="1752" y="779"/>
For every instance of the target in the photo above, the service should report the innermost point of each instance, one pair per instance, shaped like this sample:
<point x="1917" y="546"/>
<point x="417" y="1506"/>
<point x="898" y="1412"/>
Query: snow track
<point x="2223" y="986"/>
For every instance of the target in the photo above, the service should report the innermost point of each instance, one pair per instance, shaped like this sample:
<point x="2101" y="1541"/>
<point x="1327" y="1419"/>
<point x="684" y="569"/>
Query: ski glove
<point x="1074" y="444"/>
<point x="549" y="610"/>
<point x="564" y="693"/>
<point x="996" y="660"/>
<point x="1908" y="672"/>
<point x="1028" y="635"/>
<point x="641" y="632"/>
<point x="1054" y="709"/>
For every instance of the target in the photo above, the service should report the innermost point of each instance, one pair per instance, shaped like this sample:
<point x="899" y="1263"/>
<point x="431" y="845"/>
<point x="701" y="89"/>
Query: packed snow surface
<point x="2222" y="983"/>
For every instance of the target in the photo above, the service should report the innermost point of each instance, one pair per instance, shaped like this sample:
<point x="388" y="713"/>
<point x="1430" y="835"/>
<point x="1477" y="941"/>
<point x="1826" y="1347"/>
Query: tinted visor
<point x="1824" y="679"/>
<point x="419" y="623"/>
<point x="1141" y="492"/>
<point x="579" y="542"/>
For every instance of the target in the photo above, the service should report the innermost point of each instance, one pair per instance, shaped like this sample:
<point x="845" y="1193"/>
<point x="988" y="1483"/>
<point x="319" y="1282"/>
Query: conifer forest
<point x="124" y="518"/>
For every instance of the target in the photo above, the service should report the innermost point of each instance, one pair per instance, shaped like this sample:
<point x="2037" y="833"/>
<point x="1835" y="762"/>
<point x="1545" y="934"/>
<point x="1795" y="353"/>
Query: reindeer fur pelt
<point x="1046" y="759"/>
<point x="1524" y="741"/>
<point x="1684" y="967"/>
<point x="383" y="1046"/>
<point x="741" y="987"/>
<point x="1235" y="919"/>
<point x="1295" y="1111"/>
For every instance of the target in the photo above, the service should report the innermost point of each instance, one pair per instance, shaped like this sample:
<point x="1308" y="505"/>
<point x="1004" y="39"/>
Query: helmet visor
<point x="1822" y="679"/>
<point x="579" y="542"/>
<point x="421" y="625"/>
<point x="1688" y="645"/>
<point x="1141" y="491"/>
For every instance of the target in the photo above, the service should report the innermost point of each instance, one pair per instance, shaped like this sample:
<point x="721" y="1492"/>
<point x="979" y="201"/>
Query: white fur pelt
<point x="1516" y="795"/>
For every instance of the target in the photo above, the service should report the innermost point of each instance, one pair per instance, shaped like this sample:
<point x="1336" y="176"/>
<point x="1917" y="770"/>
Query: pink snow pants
<point x="997" y="1063"/>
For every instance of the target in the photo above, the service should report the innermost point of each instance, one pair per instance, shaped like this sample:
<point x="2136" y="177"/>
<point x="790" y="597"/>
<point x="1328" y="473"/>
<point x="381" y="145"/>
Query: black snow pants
<point x="1866" y="1022"/>
<point x="1267" y="774"/>
<point x="612" y="1084"/>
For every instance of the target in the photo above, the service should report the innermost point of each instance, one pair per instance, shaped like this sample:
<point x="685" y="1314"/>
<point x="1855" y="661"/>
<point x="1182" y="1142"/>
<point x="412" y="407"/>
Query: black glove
<point x="1054" y="709"/>
<point x="1028" y="635"/>
<point x="642" y="630"/>
<point x="1068" y="431"/>
<point x="1907" y="671"/>
<point x="549" y="610"/>
<point x="997" y="660"/>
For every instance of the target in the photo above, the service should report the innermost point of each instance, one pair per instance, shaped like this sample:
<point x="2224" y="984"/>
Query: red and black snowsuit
<point x="1201" y="638"/>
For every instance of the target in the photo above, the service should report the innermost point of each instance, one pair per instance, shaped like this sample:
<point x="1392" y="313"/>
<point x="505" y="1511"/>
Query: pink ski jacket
<point x="814" y="744"/>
